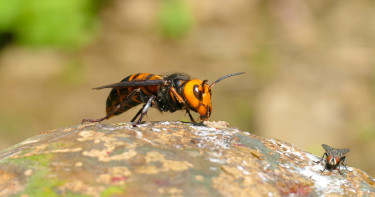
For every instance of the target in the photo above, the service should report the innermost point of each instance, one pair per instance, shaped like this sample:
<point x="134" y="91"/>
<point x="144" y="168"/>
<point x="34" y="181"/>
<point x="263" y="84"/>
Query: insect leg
<point x="118" y="107"/>
<point x="144" y="110"/>
<point x="325" y="154"/>
<point x="343" y="162"/>
<point x="136" y="116"/>
<point x="178" y="96"/>
<point x="191" y="117"/>
<point x="181" y="100"/>
<point x="105" y="117"/>
<point x="338" y="168"/>
<point x="144" y="99"/>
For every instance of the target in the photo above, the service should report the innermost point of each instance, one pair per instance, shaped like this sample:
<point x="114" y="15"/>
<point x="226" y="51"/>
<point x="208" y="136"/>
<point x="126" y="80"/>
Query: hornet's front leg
<point x="191" y="117"/>
<point x="181" y="100"/>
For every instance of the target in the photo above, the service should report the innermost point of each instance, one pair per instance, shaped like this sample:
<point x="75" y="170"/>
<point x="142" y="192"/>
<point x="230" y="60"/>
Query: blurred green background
<point x="310" y="65"/>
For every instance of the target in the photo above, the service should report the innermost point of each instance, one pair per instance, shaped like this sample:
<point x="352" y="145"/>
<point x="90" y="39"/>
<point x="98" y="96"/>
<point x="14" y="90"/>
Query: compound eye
<point x="197" y="93"/>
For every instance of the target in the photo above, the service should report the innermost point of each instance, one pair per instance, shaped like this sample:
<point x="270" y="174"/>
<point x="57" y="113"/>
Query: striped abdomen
<point x="118" y="95"/>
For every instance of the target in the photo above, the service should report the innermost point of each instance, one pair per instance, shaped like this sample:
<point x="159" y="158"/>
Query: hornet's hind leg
<point x="117" y="108"/>
<point x="143" y="111"/>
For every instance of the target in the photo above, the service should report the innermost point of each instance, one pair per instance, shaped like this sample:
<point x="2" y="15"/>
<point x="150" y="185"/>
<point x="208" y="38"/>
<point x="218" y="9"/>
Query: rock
<point x="168" y="159"/>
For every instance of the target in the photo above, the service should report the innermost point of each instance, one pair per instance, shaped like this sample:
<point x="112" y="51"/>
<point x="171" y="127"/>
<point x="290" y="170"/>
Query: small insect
<point x="334" y="157"/>
<point x="168" y="93"/>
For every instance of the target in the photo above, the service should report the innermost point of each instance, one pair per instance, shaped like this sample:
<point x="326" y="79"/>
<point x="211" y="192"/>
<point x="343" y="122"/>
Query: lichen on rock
<point x="168" y="159"/>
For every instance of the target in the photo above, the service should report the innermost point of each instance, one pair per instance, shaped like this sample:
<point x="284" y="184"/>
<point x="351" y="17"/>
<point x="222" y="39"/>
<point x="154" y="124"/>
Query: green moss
<point x="40" y="185"/>
<point x="71" y="194"/>
<point x="110" y="191"/>
<point x="40" y="160"/>
<point x="26" y="151"/>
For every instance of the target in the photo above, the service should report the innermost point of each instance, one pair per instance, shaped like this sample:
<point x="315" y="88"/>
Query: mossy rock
<point x="168" y="159"/>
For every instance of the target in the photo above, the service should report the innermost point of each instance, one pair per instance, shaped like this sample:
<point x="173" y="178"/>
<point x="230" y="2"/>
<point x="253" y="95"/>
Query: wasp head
<point x="198" y="96"/>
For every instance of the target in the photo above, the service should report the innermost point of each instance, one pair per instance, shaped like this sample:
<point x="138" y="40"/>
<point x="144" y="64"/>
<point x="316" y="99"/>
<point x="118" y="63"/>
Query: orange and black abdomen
<point x="118" y="95"/>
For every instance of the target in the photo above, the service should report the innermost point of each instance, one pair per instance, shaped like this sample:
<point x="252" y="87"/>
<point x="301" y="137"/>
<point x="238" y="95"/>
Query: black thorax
<point x="164" y="99"/>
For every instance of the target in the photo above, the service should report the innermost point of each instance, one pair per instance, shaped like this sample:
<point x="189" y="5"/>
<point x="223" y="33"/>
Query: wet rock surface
<point x="168" y="159"/>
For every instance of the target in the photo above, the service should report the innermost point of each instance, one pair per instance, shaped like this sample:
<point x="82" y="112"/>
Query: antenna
<point x="224" y="77"/>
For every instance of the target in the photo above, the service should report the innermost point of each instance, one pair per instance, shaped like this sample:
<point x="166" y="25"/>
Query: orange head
<point x="198" y="95"/>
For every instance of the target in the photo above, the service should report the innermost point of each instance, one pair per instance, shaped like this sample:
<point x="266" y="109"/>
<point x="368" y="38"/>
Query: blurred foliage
<point x="367" y="133"/>
<point x="10" y="123"/>
<point x="5" y="38"/>
<point x="246" y="113"/>
<point x="175" y="18"/>
<point x="73" y="74"/>
<point x="372" y="82"/>
<point x="65" y="24"/>
<point x="263" y="63"/>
